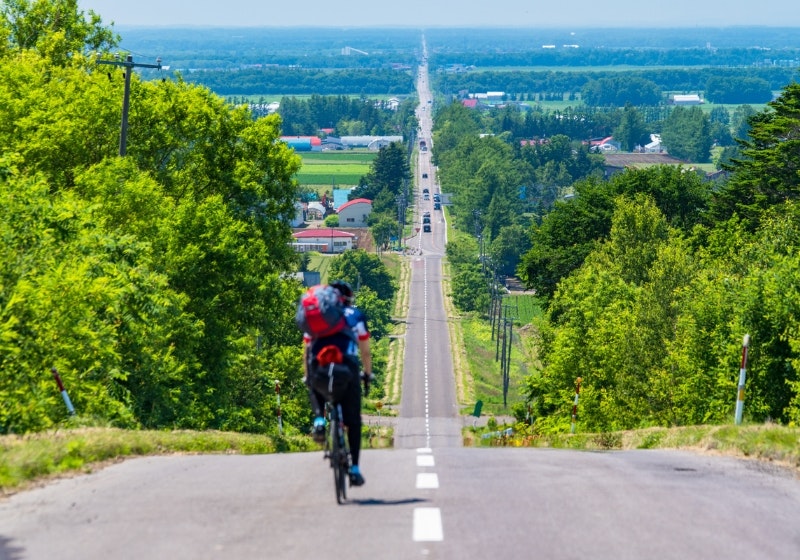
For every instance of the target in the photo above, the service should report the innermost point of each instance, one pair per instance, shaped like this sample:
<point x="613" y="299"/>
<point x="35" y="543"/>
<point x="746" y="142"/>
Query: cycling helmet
<point x="344" y="290"/>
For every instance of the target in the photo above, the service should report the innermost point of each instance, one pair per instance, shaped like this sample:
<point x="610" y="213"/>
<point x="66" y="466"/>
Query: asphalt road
<point x="428" y="498"/>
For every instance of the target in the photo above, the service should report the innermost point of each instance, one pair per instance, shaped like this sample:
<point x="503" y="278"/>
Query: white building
<point x="324" y="240"/>
<point x="355" y="213"/>
<point x="689" y="99"/>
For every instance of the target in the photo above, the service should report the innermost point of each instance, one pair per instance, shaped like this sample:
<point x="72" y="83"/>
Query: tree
<point x="55" y="29"/>
<point x="389" y="170"/>
<point x="470" y="289"/>
<point x="360" y="268"/>
<point x="384" y="229"/>
<point x="768" y="172"/>
<point x="566" y="235"/>
<point x="632" y="130"/>
<point x="621" y="90"/>
<point x="687" y="134"/>
<point x="740" y="122"/>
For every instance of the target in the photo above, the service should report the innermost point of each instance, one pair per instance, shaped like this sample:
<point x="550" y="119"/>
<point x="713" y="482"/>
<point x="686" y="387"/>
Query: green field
<point x="340" y="169"/>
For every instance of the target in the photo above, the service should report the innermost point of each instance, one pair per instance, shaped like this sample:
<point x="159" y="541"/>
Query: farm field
<point x="334" y="168"/>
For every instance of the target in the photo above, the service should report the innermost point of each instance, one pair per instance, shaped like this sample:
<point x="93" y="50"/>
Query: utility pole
<point x="129" y="65"/>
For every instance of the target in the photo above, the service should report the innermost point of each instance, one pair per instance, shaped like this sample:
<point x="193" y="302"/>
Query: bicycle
<point x="337" y="448"/>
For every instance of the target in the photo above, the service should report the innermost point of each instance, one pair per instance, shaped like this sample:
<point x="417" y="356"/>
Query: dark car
<point x="424" y="175"/>
<point x="426" y="228"/>
<point x="426" y="190"/>
<point x="437" y="206"/>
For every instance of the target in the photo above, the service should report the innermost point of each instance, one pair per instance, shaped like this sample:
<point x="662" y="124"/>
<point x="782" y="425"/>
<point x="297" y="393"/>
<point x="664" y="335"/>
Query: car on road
<point x="426" y="190"/>
<point x="437" y="205"/>
<point x="426" y="228"/>
<point x="424" y="175"/>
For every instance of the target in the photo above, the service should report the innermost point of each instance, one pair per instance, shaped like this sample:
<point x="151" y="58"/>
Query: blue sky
<point x="447" y="13"/>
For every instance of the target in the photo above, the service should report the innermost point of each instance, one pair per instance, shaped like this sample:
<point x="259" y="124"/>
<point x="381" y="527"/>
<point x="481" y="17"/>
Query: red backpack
<point x="320" y="312"/>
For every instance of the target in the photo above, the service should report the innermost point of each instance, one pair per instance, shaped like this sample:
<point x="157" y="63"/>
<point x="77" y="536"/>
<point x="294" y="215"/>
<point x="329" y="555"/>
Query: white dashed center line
<point x="428" y="524"/>
<point x="427" y="480"/>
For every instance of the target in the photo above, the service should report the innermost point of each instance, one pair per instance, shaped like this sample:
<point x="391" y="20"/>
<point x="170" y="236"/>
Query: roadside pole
<point x="575" y="404"/>
<point x="64" y="395"/>
<point x="742" y="376"/>
<point x="278" y="393"/>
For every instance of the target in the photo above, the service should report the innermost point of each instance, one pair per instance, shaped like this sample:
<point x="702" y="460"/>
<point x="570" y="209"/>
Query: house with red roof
<point x="355" y="213"/>
<point x="324" y="240"/>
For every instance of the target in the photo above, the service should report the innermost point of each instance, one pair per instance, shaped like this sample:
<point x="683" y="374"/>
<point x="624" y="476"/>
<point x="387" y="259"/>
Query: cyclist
<point x="352" y="344"/>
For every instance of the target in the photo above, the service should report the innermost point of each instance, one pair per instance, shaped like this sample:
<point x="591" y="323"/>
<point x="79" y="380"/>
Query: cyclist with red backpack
<point x="339" y="340"/>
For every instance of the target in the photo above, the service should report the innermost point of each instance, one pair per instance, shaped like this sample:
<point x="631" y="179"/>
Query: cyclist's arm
<point x="306" y="346"/>
<point x="366" y="355"/>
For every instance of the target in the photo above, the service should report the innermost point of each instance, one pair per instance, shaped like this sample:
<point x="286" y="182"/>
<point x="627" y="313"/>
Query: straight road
<point x="429" y="415"/>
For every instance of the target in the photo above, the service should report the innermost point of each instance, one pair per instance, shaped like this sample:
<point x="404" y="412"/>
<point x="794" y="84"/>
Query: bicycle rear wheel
<point x="338" y="457"/>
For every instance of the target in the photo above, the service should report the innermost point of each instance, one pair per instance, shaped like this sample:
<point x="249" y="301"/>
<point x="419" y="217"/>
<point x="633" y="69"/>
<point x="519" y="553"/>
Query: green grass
<point x="334" y="168"/>
<point x="524" y="308"/>
<point x="766" y="442"/>
<point x="487" y="380"/>
<point x="25" y="459"/>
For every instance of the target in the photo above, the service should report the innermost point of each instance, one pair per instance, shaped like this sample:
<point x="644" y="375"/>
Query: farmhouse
<point x="324" y="240"/>
<point x="355" y="213"/>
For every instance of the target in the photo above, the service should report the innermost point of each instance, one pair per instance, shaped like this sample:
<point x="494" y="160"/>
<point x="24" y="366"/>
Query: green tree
<point x="470" y="290"/>
<point x="384" y="229"/>
<point x="687" y="134"/>
<point x="389" y="170"/>
<point x="768" y="171"/>
<point x="56" y="29"/>
<point x="632" y="130"/>
<point x="360" y="268"/>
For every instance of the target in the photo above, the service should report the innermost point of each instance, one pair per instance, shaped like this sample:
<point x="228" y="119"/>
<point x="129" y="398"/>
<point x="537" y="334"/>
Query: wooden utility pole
<point x="129" y="65"/>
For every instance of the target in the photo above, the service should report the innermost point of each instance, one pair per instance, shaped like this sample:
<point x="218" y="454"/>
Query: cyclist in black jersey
<point x="352" y="344"/>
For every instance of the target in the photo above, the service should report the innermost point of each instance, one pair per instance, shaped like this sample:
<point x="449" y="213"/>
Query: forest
<point x="649" y="280"/>
<point x="158" y="285"/>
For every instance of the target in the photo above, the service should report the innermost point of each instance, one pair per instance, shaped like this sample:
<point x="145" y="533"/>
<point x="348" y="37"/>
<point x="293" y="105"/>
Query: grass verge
<point x="768" y="442"/>
<point x="30" y="459"/>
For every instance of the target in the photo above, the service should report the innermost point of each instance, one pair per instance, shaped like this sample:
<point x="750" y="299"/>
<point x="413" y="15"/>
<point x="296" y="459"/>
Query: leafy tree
<point x="725" y="89"/>
<point x="566" y="235"/>
<point x="389" y="170"/>
<point x="687" y="134"/>
<point x="507" y="248"/>
<point x="569" y="232"/>
<point x="360" y="268"/>
<point x="384" y="229"/>
<point x="632" y="130"/>
<point x="768" y="172"/>
<point x="740" y="122"/>
<point x="470" y="289"/>
<point x="55" y="29"/>
<point x="621" y="90"/>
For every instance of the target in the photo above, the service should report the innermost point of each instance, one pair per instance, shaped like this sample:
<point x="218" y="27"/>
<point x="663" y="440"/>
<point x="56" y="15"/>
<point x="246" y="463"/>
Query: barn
<point x="355" y="213"/>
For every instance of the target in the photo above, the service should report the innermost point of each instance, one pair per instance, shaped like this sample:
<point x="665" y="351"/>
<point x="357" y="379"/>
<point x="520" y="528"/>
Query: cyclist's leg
<point x="351" y="415"/>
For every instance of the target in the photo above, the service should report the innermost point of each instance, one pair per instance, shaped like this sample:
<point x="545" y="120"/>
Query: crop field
<point x="334" y="168"/>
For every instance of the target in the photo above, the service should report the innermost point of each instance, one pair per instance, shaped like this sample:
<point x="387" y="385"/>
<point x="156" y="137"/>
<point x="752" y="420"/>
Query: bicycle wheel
<point x="338" y="456"/>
